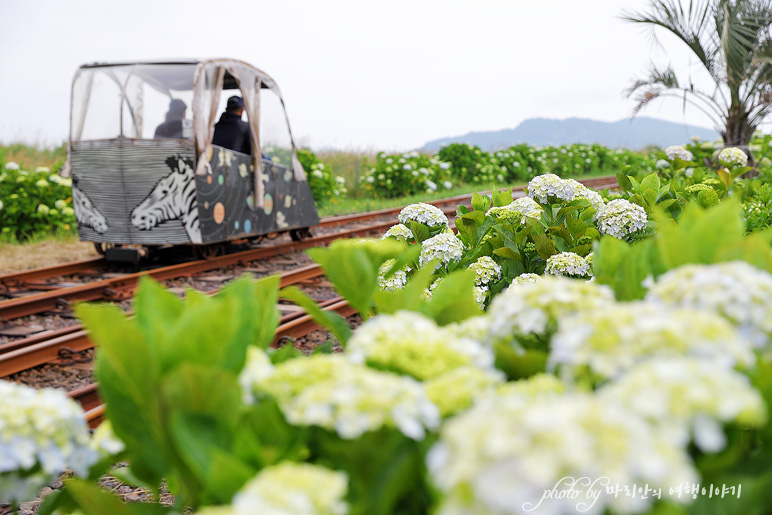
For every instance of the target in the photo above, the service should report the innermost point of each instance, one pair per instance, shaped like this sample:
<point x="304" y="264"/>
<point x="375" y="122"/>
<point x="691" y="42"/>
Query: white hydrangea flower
<point x="42" y="169"/>
<point x="534" y="308"/>
<point x="503" y="454"/>
<point x="612" y="340"/>
<point x="527" y="206"/>
<point x="567" y="264"/>
<point x="410" y="343"/>
<point x="735" y="290"/>
<point x="258" y="367"/>
<point x="426" y="214"/>
<point x="674" y="152"/>
<point x="400" y="232"/>
<point x="317" y="173"/>
<point x="396" y="281"/>
<point x="333" y="392"/>
<point x="473" y="328"/>
<point x="445" y="247"/>
<point x="105" y="442"/>
<point x="39" y="427"/>
<point x="480" y="294"/>
<point x="733" y="156"/>
<point x="620" y="218"/>
<point x="431" y="185"/>
<point x="661" y="163"/>
<point x="456" y="390"/>
<point x="689" y="395"/>
<point x="11" y="165"/>
<point x="544" y="187"/>
<point x="447" y="185"/>
<point x="293" y="489"/>
<point x="485" y="270"/>
<point x="43" y="209"/>
<point x="583" y="192"/>
<point x="526" y="278"/>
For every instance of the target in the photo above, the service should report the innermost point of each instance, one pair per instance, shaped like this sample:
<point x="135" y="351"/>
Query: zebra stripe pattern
<point x="174" y="197"/>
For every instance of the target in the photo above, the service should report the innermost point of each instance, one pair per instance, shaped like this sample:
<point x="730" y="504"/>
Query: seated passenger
<point x="172" y="127"/>
<point x="231" y="131"/>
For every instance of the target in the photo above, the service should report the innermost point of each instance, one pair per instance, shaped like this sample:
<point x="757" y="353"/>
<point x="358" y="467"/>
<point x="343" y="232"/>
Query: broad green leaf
<point x="352" y="267"/>
<point x="480" y="203"/>
<point x="155" y="308"/>
<point x="264" y="437"/>
<point x="285" y="353"/>
<point x="453" y="298"/>
<point x="507" y="253"/>
<point x="519" y="365"/>
<point x="650" y="182"/>
<point x="128" y="375"/>
<point x="93" y="500"/>
<point x="650" y="196"/>
<point x="545" y="247"/>
<point x="577" y="228"/>
<point x="420" y="231"/>
<point x="330" y="320"/>
<point x="502" y="198"/>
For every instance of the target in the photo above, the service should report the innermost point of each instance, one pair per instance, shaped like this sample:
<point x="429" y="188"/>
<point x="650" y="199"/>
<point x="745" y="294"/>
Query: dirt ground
<point x="45" y="253"/>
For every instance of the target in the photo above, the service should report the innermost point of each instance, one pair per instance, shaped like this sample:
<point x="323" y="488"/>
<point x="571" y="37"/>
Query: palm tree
<point x="731" y="39"/>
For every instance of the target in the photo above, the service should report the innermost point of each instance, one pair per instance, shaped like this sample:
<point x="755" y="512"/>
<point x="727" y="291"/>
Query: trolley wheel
<point x="300" y="234"/>
<point x="101" y="248"/>
<point x="208" y="252"/>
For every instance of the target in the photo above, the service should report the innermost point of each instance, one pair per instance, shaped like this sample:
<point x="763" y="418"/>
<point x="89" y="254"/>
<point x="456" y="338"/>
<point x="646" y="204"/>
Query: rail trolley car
<point x="136" y="186"/>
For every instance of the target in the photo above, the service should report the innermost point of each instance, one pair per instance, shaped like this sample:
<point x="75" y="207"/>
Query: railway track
<point x="33" y="291"/>
<point x="72" y="343"/>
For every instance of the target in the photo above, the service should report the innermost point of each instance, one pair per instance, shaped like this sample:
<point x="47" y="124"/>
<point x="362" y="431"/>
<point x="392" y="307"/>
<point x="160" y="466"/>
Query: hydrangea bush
<point x="33" y="203"/>
<point x="433" y="405"/>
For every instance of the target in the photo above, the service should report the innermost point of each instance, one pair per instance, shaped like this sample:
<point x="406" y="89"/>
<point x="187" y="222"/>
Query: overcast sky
<point x="355" y="74"/>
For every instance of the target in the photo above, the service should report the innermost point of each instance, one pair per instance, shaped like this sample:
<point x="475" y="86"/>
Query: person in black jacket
<point x="172" y="127"/>
<point x="231" y="131"/>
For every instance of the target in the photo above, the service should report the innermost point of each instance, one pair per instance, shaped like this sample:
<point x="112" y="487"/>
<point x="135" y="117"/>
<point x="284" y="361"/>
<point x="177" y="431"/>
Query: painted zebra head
<point x="85" y="213"/>
<point x="172" y="198"/>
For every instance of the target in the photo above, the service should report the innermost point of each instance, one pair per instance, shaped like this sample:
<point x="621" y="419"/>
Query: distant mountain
<point x="633" y="134"/>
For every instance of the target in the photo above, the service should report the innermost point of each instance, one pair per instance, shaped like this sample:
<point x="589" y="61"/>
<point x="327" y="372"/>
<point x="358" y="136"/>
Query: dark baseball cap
<point x="235" y="102"/>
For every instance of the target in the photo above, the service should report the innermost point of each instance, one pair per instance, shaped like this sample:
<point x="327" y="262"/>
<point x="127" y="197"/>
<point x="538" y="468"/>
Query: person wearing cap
<point x="231" y="131"/>
<point x="172" y="127"/>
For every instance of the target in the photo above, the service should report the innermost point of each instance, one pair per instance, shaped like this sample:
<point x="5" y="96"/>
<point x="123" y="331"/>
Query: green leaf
<point x="519" y="365"/>
<point x="352" y="267"/>
<point x="92" y="500"/>
<point x="156" y="309"/>
<point x="502" y="198"/>
<point x="285" y="353"/>
<point x="650" y="196"/>
<point x="507" y="253"/>
<point x="128" y="375"/>
<point x="624" y="181"/>
<point x="480" y="203"/>
<point x="453" y="298"/>
<point x="545" y="247"/>
<point x="651" y="182"/>
<point x="420" y="231"/>
<point x="330" y="320"/>
<point x="264" y="437"/>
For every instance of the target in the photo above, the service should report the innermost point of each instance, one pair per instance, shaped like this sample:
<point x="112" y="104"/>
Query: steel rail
<point x="41" y="349"/>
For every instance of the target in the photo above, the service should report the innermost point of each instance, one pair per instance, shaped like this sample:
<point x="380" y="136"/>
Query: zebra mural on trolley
<point x="172" y="198"/>
<point x="86" y="214"/>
